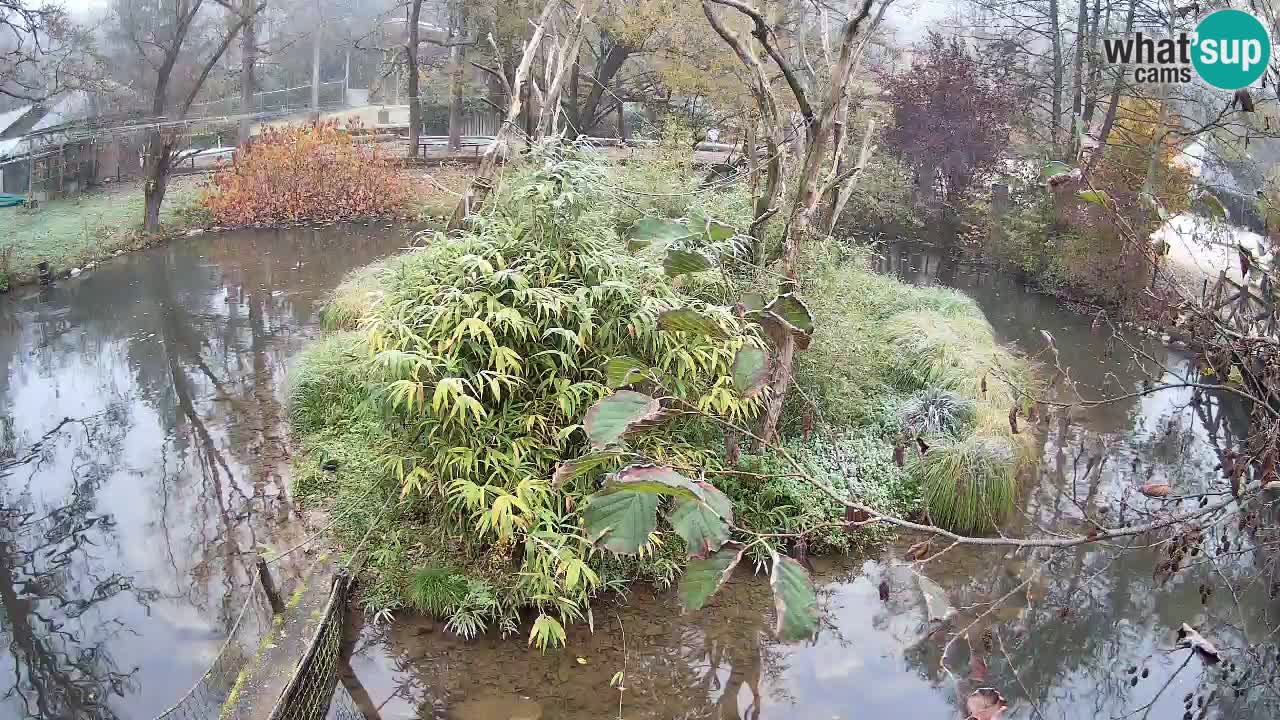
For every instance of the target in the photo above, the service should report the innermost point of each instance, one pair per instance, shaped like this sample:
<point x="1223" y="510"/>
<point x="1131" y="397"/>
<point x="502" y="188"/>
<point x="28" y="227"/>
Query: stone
<point x="75" y="272"/>
<point x="195" y="231"/>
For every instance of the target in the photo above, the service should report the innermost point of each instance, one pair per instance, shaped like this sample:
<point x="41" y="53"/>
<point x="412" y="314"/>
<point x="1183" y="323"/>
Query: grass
<point x="969" y="485"/>
<point x="88" y="227"/>
<point x="437" y="190"/>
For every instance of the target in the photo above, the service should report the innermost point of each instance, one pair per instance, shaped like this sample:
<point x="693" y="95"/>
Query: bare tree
<point x="179" y="44"/>
<point x="42" y="51"/>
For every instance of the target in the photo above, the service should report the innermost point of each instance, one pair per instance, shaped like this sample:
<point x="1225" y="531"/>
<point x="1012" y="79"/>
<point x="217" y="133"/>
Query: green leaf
<point x="679" y="262"/>
<point x="702" y="578"/>
<point x="615" y="414"/>
<point x="1054" y="169"/>
<point x="717" y="231"/>
<point x="621" y="520"/>
<point x="753" y="301"/>
<point x="1213" y="205"/>
<point x="654" y="480"/>
<point x="690" y="321"/>
<point x="703" y="521"/>
<point x="1097" y="197"/>
<point x="794" y="599"/>
<point x="648" y="230"/>
<point x="1154" y="203"/>
<point x="622" y="370"/>
<point x="573" y="469"/>
<point x="750" y="370"/>
<point x="792" y="310"/>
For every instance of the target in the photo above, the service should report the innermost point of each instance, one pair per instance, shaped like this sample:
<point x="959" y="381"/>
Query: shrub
<point x="306" y="172"/>
<point x="481" y="354"/>
<point x="969" y="485"/>
<point x="938" y="412"/>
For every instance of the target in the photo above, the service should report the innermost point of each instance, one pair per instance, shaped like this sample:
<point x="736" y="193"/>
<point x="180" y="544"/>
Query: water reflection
<point x="128" y="531"/>
<point x="1057" y="632"/>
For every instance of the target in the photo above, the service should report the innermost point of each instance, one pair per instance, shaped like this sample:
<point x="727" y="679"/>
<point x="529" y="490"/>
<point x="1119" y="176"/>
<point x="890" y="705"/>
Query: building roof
<point x="12" y="116"/>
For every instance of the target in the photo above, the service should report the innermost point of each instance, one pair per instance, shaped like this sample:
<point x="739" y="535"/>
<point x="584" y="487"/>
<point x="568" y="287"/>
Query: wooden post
<point x="269" y="587"/>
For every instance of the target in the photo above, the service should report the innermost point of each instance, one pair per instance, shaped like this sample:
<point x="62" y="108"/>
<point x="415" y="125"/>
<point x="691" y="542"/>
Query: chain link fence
<point x="308" y="694"/>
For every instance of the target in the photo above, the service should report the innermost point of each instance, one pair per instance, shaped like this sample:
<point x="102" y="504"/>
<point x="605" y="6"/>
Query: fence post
<point x="269" y="587"/>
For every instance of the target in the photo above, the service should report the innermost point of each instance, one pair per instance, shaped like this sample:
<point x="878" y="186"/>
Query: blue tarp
<point x="12" y="200"/>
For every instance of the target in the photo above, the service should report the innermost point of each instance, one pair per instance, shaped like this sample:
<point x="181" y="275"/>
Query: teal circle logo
<point x="1232" y="49"/>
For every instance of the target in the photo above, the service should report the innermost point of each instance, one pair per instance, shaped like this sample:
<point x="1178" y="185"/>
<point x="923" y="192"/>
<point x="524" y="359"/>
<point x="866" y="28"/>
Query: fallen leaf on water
<point x="985" y="704"/>
<point x="582" y="661"/>
<point x="1189" y="638"/>
<point x="1155" y="490"/>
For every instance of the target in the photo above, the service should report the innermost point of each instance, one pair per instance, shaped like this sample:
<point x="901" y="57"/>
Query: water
<point x="1057" y="632"/>
<point x="128" y="529"/>
<point x="124" y="540"/>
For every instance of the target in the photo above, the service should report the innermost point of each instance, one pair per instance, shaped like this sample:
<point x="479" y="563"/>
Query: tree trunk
<point x="1095" y="66"/>
<point x="248" y="73"/>
<point x="156" y="179"/>
<point x="411" y="60"/>
<point x="457" y="58"/>
<point x="606" y="70"/>
<point x="1055" y="122"/>
<point x="315" y="69"/>
<point x="1110" y="119"/>
<point x="1077" y="80"/>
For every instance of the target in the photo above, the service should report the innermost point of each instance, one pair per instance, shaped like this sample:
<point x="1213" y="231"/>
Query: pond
<point x="143" y="459"/>
<point x="146" y="463"/>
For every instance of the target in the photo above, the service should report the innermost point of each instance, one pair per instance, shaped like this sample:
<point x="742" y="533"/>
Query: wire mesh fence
<point x="308" y="694"/>
<point x="214" y="695"/>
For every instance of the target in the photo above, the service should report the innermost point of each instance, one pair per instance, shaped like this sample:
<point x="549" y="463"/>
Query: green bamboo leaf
<point x="682" y="261"/>
<point x="615" y="414"/>
<point x="654" y="480"/>
<point x="622" y="370"/>
<point x="1054" y="169"/>
<point x="703" y="521"/>
<point x="791" y="309"/>
<point x="1097" y="197"/>
<point x="794" y="599"/>
<point x="717" y="231"/>
<point x="750" y="370"/>
<point x="702" y="578"/>
<point x="622" y="520"/>
<point x="1213" y="205"/>
<point x="690" y="321"/>
<point x="572" y="469"/>
<point x="648" y="230"/>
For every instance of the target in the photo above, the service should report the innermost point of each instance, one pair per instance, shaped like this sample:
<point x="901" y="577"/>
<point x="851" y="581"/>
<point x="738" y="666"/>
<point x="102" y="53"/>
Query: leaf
<point x="753" y="301"/>
<point x="1213" y="205"/>
<point x="654" y="480"/>
<point x="648" y="230"/>
<point x="621" y="520"/>
<point x="794" y="599"/>
<point x="622" y="370"/>
<point x="680" y="261"/>
<point x="690" y="321"/>
<point x="1054" y="169"/>
<point x="985" y="704"/>
<point x="1189" y="638"/>
<point x="1154" y="203"/>
<point x="615" y="414"/>
<point x="792" y="310"/>
<point x="703" y="577"/>
<point x="703" y="521"/>
<point x="1097" y="197"/>
<point x="750" y="370"/>
<point x="1155" y="490"/>
<point x="573" y="469"/>
<point x="717" y="231"/>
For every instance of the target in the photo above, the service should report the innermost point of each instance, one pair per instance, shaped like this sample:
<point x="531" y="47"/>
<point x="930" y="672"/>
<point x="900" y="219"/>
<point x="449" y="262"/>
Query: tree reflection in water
<point x="55" y="616"/>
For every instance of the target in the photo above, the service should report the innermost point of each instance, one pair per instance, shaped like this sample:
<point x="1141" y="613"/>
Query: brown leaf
<point x="919" y="550"/>
<point x="977" y="668"/>
<point x="985" y="704"/>
<point x="1155" y="490"/>
<point x="1013" y="419"/>
<point x="1189" y="638"/>
<point x="982" y="388"/>
<point x="899" y="454"/>
<point x="884" y="591"/>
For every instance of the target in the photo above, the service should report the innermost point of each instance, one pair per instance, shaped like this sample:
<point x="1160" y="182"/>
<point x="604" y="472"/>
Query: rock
<point x="195" y="231"/>
<point x="75" y="272"/>
<point x="1166" y="339"/>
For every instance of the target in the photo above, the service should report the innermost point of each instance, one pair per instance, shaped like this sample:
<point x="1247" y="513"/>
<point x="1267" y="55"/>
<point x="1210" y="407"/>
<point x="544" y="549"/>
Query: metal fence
<point x="214" y="695"/>
<point x="308" y="694"/>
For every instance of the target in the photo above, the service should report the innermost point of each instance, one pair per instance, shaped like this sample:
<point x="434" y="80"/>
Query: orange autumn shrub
<point x="306" y="172"/>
